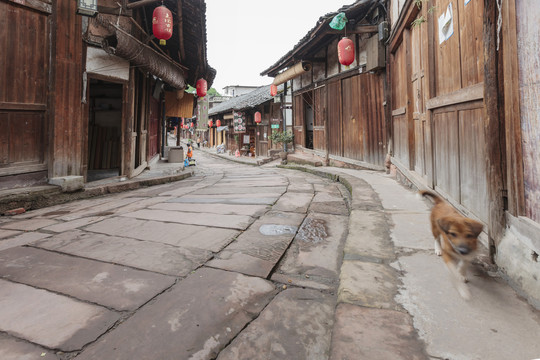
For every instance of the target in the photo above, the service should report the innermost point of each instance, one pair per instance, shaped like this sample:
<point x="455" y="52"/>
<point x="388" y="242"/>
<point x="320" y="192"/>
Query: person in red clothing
<point x="189" y="152"/>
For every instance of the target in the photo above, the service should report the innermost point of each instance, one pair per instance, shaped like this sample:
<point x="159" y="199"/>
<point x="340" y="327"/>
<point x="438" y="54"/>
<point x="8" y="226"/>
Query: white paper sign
<point x="446" y="24"/>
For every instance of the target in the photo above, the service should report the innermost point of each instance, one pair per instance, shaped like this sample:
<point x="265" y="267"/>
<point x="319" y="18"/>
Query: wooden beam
<point x="494" y="132"/>
<point x="362" y="29"/>
<point x="182" y="51"/>
<point x="471" y="93"/>
<point x="140" y="3"/>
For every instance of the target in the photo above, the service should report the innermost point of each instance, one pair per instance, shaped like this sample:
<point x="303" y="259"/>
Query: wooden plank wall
<point x="23" y="89"/>
<point x="445" y="113"/>
<point x="335" y="130"/>
<point x="70" y="125"/>
<point x="319" y="109"/>
<point x="298" y="121"/>
<point x="398" y="88"/>
<point x="529" y="81"/>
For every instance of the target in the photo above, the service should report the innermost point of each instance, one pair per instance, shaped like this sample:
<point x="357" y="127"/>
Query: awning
<point x="292" y="72"/>
<point x="127" y="47"/>
<point x="221" y="128"/>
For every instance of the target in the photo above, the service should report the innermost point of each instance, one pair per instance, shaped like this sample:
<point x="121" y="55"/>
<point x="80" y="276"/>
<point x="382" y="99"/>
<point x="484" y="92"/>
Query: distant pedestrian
<point x="198" y="143"/>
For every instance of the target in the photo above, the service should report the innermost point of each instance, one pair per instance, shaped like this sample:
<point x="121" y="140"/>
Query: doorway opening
<point x="104" y="130"/>
<point x="308" y="118"/>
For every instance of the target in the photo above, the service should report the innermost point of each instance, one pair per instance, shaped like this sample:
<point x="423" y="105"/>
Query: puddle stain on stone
<point x="313" y="231"/>
<point x="273" y="230"/>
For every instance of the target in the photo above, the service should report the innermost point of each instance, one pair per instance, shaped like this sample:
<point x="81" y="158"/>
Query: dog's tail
<point x="431" y="194"/>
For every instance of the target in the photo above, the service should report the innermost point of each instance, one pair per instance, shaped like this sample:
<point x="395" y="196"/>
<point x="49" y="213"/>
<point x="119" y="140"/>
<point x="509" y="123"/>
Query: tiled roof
<point x="358" y="9"/>
<point x="245" y="101"/>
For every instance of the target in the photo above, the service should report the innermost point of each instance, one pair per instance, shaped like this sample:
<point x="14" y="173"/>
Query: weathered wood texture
<point x="69" y="135"/>
<point x="153" y="128"/>
<point x="512" y="113"/>
<point x="319" y="109"/>
<point x="298" y="120"/>
<point x="528" y="18"/>
<point x="24" y="72"/>
<point x="437" y="90"/>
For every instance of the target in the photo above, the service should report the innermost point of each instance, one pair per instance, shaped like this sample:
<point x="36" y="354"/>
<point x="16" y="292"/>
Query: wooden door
<point x="335" y="129"/>
<point x="153" y="128"/>
<point x="418" y="95"/>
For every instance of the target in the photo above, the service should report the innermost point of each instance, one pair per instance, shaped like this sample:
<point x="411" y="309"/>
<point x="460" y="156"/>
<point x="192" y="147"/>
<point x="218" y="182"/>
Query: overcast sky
<point x="246" y="37"/>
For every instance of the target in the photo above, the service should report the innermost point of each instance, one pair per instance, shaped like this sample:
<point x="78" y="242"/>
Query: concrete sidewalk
<point x="396" y="300"/>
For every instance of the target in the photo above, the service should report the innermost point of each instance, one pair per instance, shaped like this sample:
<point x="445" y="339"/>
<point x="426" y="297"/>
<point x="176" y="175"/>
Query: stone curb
<point x="53" y="195"/>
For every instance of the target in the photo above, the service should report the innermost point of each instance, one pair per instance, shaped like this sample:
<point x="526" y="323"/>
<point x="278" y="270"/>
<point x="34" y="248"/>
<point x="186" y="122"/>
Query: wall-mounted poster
<point x="446" y="24"/>
<point x="239" y="121"/>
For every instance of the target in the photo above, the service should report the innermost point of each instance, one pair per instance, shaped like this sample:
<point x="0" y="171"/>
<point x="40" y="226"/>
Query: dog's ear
<point x="445" y="223"/>
<point x="475" y="227"/>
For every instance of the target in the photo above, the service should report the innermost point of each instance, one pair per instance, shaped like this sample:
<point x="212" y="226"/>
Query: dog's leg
<point x="462" y="268"/>
<point x="438" y="250"/>
<point x="456" y="277"/>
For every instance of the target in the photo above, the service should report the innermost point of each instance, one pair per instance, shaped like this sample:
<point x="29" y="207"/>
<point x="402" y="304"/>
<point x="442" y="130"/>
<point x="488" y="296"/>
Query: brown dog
<point x="456" y="239"/>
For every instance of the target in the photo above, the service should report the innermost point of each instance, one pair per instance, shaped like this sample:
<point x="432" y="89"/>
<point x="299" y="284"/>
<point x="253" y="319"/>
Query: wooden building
<point x="238" y="130"/>
<point x="464" y="110"/>
<point x="338" y="110"/>
<point x="83" y="94"/>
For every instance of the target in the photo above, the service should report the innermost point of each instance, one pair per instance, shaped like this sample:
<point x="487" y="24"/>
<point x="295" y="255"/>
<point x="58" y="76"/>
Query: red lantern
<point x="201" y="88"/>
<point x="191" y="124"/>
<point x="218" y="123"/>
<point x="210" y="123"/>
<point x="273" y="90"/>
<point x="162" y="24"/>
<point x="258" y="117"/>
<point x="346" y="51"/>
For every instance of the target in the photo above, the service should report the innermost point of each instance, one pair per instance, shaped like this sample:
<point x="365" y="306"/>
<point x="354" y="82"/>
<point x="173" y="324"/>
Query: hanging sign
<point x="239" y="121"/>
<point x="87" y="7"/>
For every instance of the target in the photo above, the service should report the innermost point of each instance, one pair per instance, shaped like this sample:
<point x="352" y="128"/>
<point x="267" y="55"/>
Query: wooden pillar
<point x="494" y="131"/>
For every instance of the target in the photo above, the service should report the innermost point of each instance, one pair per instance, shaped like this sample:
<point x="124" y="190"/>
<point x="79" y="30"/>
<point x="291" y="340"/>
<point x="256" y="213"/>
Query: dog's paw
<point x="464" y="291"/>
<point x="463" y="279"/>
<point x="438" y="252"/>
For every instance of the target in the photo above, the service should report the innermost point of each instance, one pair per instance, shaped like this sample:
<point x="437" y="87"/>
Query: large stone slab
<point x="368" y="284"/>
<point x="248" y="199"/>
<point x="109" y="285"/>
<point x="146" y="255"/>
<point x="8" y="233"/>
<point x="225" y="209"/>
<point x="257" y="250"/>
<point x="51" y="320"/>
<point x="294" y="202"/>
<point x="194" y="320"/>
<point x="240" y="190"/>
<point x="329" y="203"/>
<point x="22" y="239"/>
<point x="412" y="230"/>
<point x="369" y="235"/>
<point x="297" y="325"/>
<point x="239" y="222"/>
<point x="97" y="207"/>
<point x="28" y="225"/>
<point x="366" y="333"/>
<point x="14" y="349"/>
<point x="502" y="325"/>
<point x="314" y="257"/>
<point x="181" y="235"/>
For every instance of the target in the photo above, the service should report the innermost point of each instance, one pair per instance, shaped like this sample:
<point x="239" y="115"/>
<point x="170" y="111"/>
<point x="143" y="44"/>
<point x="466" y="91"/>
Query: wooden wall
<point x="529" y="94"/>
<point x="24" y="71"/>
<point x="437" y="104"/>
<point x="353" y="109"/>
<point x="69" y="126"/>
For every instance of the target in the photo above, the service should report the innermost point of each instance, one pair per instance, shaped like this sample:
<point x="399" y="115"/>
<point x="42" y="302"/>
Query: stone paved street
<point x="248" y="262"/>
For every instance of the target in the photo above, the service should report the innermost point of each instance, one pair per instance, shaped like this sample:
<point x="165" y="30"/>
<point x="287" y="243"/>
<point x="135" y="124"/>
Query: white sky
<point x="246" y="37"/>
